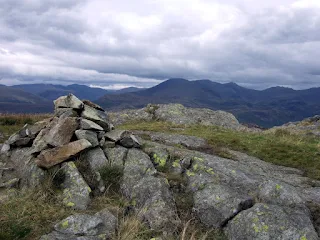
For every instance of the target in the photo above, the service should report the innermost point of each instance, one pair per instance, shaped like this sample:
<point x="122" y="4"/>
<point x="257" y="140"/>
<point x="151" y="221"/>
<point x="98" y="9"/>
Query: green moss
<point x="278" y="187"/>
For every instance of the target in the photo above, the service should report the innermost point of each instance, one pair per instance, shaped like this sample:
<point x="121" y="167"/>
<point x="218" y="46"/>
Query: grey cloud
<point x="93" y="42"/>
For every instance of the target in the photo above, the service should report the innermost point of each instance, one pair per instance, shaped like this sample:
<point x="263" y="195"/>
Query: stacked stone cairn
<point x="76" y="144"/>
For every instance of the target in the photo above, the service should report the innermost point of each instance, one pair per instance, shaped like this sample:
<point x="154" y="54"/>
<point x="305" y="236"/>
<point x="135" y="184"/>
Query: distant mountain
<point x="270" y="107"/>
<point x="19" y="101"/>
<point x="52" y="92"/>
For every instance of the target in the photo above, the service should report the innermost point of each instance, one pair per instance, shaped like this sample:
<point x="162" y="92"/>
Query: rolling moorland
<point x="20" y="219"/>
<point x="266" y="108"/>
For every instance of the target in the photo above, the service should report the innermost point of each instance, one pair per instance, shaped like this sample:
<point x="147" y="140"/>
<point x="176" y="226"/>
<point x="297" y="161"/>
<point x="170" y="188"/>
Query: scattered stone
<point x="50" y="157"/>
<point x="69" y="101"/>
<point x="116" y="135"/>
<point x="88" y="135"/>
<point x="130" y="142"/>
<point x="89" y="125"/>
<point x="109" y="144"/>
<point x="62" y="132"/>
<point x="76" y="192"/>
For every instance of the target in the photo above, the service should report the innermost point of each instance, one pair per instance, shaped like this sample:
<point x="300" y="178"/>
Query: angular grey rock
<point x="125" y="138"/>
<point x="216" y="204"/>
<point x="137" y="165"/>
<point x="96" y="158"/>
<point x="116" y="156"/>
<point x="89" y="125"/>
<point x="76" y="192"/>
<point x="150" y="196"/>
<point x="50" y="157"/>
<point x="62" y="132"/>
<point x="93" y="105"/>
<point x="102" y="142"/>
<point x="155" y="204"/>
<point x="70" y="113"/>
<point x="88" y="135"/>
<point x="263" y="222"/>
<point x="18" y="141"/>
<point x="100" y="226"/>
<point x="39" y="142"/>
<point x="116" y="135"/>
<point x="32" y="131"/>
<point x="130" y="142"/>
<point x="100" y="117"/>
<point x="279" y="193"/>
<point x="5" y="148"/>
<point x="109" y="144"/>
<point x="69" y="101"/>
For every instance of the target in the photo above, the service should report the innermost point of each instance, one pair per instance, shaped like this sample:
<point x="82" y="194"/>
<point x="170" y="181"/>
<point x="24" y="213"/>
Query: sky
<point x="116" y="44"/>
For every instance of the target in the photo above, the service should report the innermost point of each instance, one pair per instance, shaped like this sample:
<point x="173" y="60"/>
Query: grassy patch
<point x="112" y="175"/>
<point x="11" y="123"/>
<point x="281" y="147"/>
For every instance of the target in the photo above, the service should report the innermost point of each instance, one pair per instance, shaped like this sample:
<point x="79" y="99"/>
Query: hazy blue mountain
<point x="273" y="106"/>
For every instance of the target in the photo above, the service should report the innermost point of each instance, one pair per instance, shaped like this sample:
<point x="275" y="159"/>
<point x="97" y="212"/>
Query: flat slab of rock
<point x="268" y="222"/>
<point x="95" y="115"/>
<point x="69" y="101"/>
<point x="88" y="135"/>
<point x="62" y="132"/>
<point x="50" y="157"/>
<point x="91" y="104"/>
<point x="102" y="225"/>
<point x="76" y="192"/>
<point x="116" y="156"/>
<point x="89" y="125"/>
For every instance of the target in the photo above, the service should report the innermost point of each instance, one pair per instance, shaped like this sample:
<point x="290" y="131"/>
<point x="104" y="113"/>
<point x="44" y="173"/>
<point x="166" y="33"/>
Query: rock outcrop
<point x="244" y="197"/>
<point x="177" y="114"/>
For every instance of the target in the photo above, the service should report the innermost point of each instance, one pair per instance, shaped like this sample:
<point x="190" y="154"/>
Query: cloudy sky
<point x="114" y="44"/>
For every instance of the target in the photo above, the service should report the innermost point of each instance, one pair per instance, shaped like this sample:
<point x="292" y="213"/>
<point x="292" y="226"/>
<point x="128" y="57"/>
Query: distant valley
<point x="267" y="108"/>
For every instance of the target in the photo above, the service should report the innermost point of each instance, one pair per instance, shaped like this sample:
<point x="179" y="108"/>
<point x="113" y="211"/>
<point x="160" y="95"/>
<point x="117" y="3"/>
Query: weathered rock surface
<point x="150" y="195"/>
<point x="177" y="114"/>
<point x="116" y="155"/>
<point x="69" y="101"/>
<point x="102" y="225"/>
<point x="89" y="125"/>
<point x="271" y="222"/>
<point x="100" y="117"/>
<point x="76" y="192"/>
<point x="50" y="157"/>
<point x="124" y="138"/>
<point x="88" y="135"/>
<point x="62" y="132"/>
<point x="95" y="157"/>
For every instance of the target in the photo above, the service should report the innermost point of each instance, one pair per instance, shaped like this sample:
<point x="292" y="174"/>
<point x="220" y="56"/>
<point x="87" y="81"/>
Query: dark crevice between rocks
<point x="247" y="204"/>
<point x="315" y="215"/>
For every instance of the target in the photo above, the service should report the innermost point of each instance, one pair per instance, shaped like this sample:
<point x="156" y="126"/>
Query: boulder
<point x="32" y="131"/>
<point x="62" y="132"/>
<point x="116" y="156"/>
<point x="69" y="101"/>
<point x="50" y="157"/>
<point x="264" y="222"/>
<point x="216" y="204"/>
<point x="76" y="192"/>
<point x="95" y="157"/>
<point x="116" y="135"/>
<point x="88" y="135"/>
<point x="89" y="125"/>
<point x="102" y="225"/>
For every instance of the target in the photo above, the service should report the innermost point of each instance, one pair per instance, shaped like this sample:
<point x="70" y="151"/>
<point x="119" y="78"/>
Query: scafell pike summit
<point x="168" y="185"/>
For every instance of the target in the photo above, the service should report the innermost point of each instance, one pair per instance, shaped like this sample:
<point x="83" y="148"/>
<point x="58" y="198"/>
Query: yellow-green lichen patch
<point x="160" y="161"/>
<point x="260" y="227"/>
<point x="198" y="159"/>
<point x="210" y="171"/>
<point x="303" y="238"/>
<point x="176" y="164"/>
<point x="278" y="187"/>
<point x="70" y="204"/>
<point x="65" y="224"/>
<point x="190" y="173"/>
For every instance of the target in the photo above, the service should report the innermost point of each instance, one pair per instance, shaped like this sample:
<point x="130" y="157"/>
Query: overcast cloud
<point x="255" y="43"/>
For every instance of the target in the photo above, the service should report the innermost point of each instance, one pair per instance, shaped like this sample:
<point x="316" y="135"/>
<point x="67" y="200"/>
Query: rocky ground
<point x="164" y="177"/>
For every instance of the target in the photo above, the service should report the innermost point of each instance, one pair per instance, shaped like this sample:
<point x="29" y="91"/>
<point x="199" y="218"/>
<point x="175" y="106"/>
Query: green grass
<point x="11" y="123"/>
<point x="281" y="147"/>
